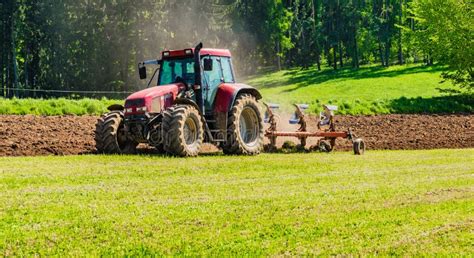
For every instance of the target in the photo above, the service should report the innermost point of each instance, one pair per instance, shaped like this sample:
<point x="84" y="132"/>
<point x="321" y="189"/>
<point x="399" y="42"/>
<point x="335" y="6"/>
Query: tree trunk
<point x="33" y="66"/>
<point x="387" y="53"/>
<point x="27" y="56"/>
<point x="400" y="47"/>
<point x="7" y="49"/>
<point x="400" y="50"/>
<point x="14" y="61"/>
<point x="317" y="46"/>
<point x="2" y="50"/>
<point x="381" y="54"/>
<point x="318" y="61"/>
<point x="328" y="55"/>
<point x="341" y="57"/>
<point x="334" y="55"/>
<point x="429" y="59"/>
<point x="355" y="58"/>
<point x="32" y="47"/>
<point x="278" y="56"/>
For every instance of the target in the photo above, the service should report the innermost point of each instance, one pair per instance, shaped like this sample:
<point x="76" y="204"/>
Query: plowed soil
<point x="68" y="135"/>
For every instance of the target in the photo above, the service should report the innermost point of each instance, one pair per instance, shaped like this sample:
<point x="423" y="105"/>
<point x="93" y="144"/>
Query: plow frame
<point x="326" y="137"/>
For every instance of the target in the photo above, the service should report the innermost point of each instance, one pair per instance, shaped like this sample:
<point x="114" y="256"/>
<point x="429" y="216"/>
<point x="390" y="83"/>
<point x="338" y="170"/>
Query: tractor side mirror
<point x="142" y="71"/>
<point x="208" y="64"/>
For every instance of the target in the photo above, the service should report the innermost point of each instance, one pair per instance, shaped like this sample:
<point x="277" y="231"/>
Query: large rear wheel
<point x="245" y="129"/>
<point x="111" y="137"/>
<point x="183" y="131"/>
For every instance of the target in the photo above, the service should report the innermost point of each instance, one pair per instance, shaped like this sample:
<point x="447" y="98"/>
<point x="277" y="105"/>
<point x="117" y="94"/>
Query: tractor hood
<point x="156" y="91"/>
<point x="155" y="98"/>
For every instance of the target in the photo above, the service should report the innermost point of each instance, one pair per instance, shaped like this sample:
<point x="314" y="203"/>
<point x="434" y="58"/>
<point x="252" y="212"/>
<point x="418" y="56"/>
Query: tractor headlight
<point x="142" y="109"/>
<point x="128" y="110"/>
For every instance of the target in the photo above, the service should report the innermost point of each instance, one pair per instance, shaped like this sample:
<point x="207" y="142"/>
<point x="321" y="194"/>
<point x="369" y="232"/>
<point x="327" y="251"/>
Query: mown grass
<point x="383" y="203"/>
<point x="51" y="107"/>
<point x="368" y="90"/>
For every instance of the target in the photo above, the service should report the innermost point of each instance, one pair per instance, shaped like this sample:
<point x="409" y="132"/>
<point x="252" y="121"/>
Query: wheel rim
<point x="249" y="126"/>
<point x="122" y="139"/>
<point x="190" y="131"/>
<point x="362" y="147"/>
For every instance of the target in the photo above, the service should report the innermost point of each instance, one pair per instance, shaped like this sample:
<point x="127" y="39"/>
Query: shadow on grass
<point x="311" y="76"/>
<point x="463" y="103"/>
<point x="156" y="154"/>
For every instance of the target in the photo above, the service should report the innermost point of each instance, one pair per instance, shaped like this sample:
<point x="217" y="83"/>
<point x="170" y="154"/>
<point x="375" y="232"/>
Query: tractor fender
<point x="116" y="107"/>
<point x="184" y="101"/>
<point x="227" y="94"/>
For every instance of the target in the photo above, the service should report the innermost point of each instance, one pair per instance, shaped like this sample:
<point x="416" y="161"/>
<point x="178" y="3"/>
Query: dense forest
<point x="95" y="45"/>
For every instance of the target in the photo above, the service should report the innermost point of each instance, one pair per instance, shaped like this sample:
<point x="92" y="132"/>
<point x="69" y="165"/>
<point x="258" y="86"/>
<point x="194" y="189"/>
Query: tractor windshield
<point x="177" y="70"/>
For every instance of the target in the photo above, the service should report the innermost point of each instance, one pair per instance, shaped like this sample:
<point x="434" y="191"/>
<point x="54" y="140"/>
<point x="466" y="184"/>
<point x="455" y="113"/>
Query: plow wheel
<point x="358" y="146"/>
<point x="325" y="146"/>
<point x="245" y="128"/>
<point x="183" y="132"/>
<point x="110" y="136"/>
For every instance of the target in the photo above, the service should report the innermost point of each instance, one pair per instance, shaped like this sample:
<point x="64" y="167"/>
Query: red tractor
<point x="196" y="100"/>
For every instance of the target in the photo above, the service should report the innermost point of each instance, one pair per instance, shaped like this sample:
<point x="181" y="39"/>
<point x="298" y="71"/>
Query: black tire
<point x="110" y="136"/>
<point x="325" y="146"/>
<point x="183" y="131"/>
<point x="359" y="146"/>
<point x="245" y="127"/>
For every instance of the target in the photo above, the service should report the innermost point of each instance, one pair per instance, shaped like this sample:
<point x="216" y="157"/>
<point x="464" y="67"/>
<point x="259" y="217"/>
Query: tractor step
<point x="218" y="133"/>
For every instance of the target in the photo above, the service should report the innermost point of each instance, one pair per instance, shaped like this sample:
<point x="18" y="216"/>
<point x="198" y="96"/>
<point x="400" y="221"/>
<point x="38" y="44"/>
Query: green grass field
<point x="54" y="107"/>
<point x="368" y="90"/>
<point x="385" y="203"/>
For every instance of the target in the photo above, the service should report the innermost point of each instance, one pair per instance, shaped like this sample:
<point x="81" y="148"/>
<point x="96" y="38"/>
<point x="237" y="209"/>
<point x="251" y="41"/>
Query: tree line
<point x="95" y="45"/>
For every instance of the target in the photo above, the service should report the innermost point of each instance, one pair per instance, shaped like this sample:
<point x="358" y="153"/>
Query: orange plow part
<point x="327" y="137"/>
<point x="308" y="134"/>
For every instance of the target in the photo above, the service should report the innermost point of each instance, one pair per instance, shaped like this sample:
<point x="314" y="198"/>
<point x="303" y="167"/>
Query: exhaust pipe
<point x="198" y="77"/>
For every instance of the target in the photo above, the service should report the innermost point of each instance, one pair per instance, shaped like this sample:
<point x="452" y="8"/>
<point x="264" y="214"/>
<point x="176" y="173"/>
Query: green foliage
<point x="389" y="203"/>
<point x="55" y="107"/>
<point x="95" y="45"/>
<point x="446" y="31"/>
<point x="365" y="91"/>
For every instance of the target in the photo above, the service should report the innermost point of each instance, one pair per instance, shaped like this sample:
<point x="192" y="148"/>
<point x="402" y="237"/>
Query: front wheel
<point x="111" y="137"/>
<point x="245" y="129"/>
<point x="182" y="131"/>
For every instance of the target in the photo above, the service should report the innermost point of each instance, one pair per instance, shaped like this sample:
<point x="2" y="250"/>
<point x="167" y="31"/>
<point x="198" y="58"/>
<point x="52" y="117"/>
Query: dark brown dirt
<point x="49" y="135"/>
<point x="412" y="132"/>
<point x="67" y="135"/>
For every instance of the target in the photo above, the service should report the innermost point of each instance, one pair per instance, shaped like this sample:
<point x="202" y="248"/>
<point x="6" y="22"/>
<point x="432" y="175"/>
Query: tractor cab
<point x="179" y="66"/>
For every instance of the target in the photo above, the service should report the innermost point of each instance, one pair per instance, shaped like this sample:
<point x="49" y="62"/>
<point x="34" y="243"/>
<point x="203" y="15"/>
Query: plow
<point x="325" y="135"/>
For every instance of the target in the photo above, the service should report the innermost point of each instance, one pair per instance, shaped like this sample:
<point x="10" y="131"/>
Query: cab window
<point x="172" y="70"/>
<point x="227" y="70"/>
<point x="213" y="78"/>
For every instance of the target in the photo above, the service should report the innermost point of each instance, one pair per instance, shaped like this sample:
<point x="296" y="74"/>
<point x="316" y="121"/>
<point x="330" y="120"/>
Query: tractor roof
<point x="190" y="52"/>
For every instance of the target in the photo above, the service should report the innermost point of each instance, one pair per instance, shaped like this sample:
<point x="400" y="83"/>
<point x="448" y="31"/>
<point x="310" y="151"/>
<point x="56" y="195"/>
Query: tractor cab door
<point x="211" y="81"/>
<point x="222" y="72"/>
